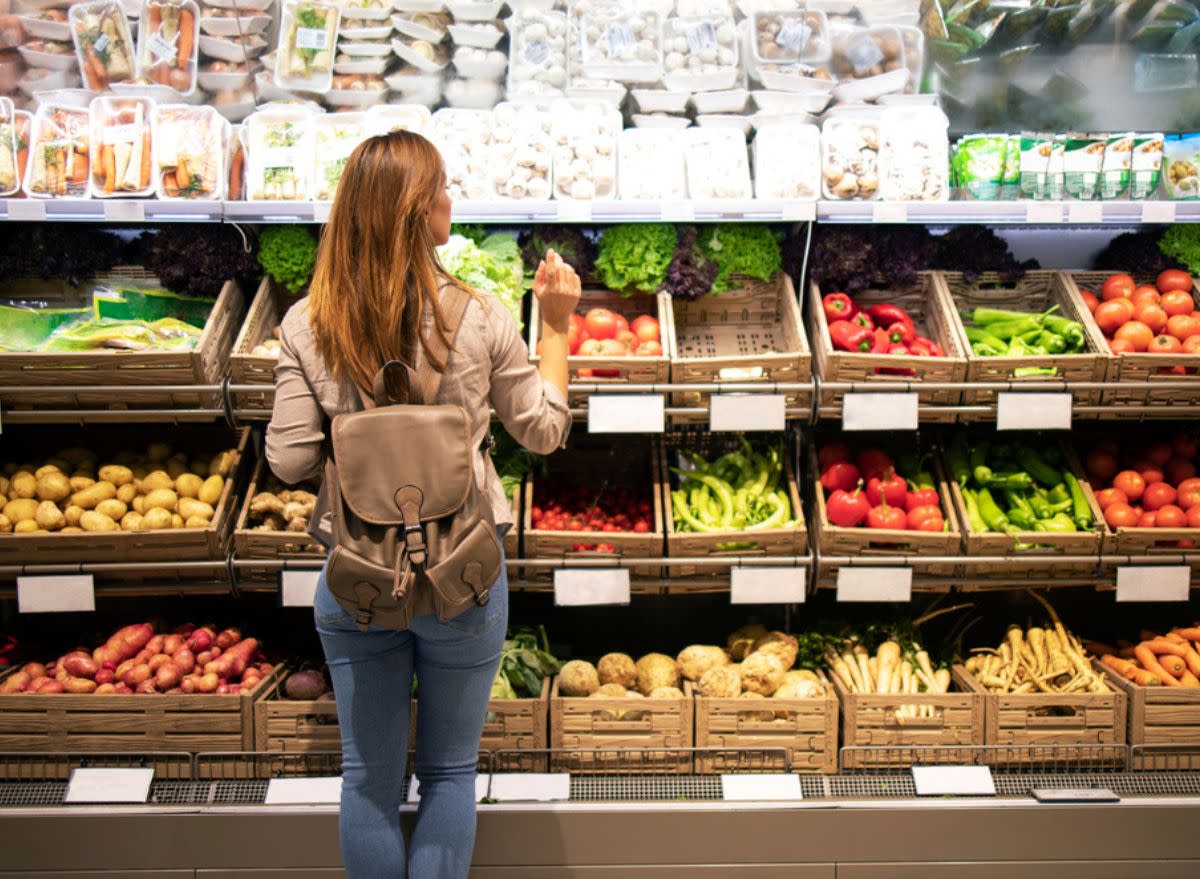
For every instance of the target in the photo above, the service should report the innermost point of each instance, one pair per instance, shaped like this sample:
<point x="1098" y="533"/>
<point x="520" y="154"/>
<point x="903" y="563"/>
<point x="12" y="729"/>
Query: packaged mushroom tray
<point x="787" y="162"/>
<point x="782" y="38"/>
<point x="120" y="129"/>
<point x="622" y="45"/>
<point x="279" y="154"/>
<point x="464" y="137"/>
<point x="580" y="84"/>
<point x="700" y="54"/>
<point x="914" y="155"/>
<point x="717" y="164"/>
<point x="651" y="163"/>
<point x="585" y="150"/>
<point x="869" y="63"/>
<point x="850" y="141"/>
<point x="537" y="65"/>
<point x="522" y="152"/>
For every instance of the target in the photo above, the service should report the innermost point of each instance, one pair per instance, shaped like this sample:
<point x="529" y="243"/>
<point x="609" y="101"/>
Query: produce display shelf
<point x="131" y="579"/>
<point x="113" y="210"/>
<point x="1034" y="213"/>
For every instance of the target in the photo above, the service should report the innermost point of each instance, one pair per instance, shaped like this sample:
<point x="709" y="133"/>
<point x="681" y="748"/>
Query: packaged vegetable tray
<point x="190" y="157"/>
<point x="121" y="132"/>
<point x="61" y="152"/>
<point x="10" y="179"/>
<point x="168" y="38"/>
<point x="307" y="37"/>
<point x="102" y="43"/>
<point x="279" y="156"/>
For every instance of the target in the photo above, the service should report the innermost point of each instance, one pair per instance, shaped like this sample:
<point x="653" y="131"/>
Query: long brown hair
<point x="376" y="265"/>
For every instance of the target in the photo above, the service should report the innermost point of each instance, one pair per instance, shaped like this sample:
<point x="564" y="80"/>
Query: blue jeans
<point x="372" y="673"/>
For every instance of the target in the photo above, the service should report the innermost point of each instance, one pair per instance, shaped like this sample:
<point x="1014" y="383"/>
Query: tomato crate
<point x="873" y="736"/>
<point x="753" y="333"/>
<point x="1160" y="716"/>
<point x="72" y="723"/>
<point x="1037" y="292"/>
<point x="611" y="735"/>
<point x="613" y="370"/>
<point x="1031" y="721"/>
<point x="1129" y="370"/>
<point x="790" y="540"/>
<point x="137" y="371"/>
<point x="806" y="728"/>
<point x="931" y="311"/>
<point x="597" y="465"/>
<point x="266" y="311"/>
<point x="167" y="545"/>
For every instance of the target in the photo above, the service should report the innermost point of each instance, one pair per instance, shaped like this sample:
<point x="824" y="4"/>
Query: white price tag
<point x="1044" y="212"/>
<point x="1154" y="583"/>
<point x="481" y="788"/>
<point x="678" y="211"/>
<point x="760" y="788"/>
<point x="799" y="211"/>
<point x="124" y="210"/>
<point x="109" y="786"/>
<point x="56" y="594"/>
<point x="321" y="210"/>
<point x="767" y="585"/>
<point x="1158" y="212"/>
<point x="889" y="212"/>
<point x="953" y="781"/>
<point x="626" y="413"/>
<point x="747" y="412"/>
<point x="298" y="588"/>
<point x="536" y="787"/>
<point x="312" y="38"/>
<point x="28" y="209"/>
<point x="1074" y="795"/>
<point x="1027" y="410"/>
<point x="891" y="411"/>
<point x="303" y="791"/>
<point x="1085" y="212"/>
<point x="874" y="584"/>
<point x="583" y="587"/>
<point x="570" y="211"/>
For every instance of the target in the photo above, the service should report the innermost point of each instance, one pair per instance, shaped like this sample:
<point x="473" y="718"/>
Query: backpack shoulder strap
<point x="453" y="302"/>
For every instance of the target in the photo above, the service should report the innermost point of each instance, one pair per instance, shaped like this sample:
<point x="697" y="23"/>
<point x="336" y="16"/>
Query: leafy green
<point x="475" y="231"/>
<point x="634" y="257"/>
<point x="491" y="266"/>
<point x="513" y="461"/>
<point x="525" y="661"/>
<point x="288" y="254"/>
<point x="741" y="249"/>
<point x="1182" y="242"/>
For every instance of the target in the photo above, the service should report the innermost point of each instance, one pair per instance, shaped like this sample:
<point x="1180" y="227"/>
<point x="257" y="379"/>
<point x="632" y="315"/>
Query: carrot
<point x="108" y="161"/>
<point x="79" y="165"/>
<point x="187" y="27"/>
<point x="144" y="176"/>
<point x="1150" y="662"/>
<point x="1162" y="645"/>
<point x="1173" y="664"/>
<point x="1143" y="678"/>
<point x="155" y="14"/>
<point x="236" y="168"/>
<point x="1192" y="634"/>
<point x="1127" y="652"/>
<point x="170" y="187"/>
<point x="1116" y="663"/>
<point x="1147" y="635"/>
<point x="1188" y="679"/>
<point x="98" y="75"/>
<point x="182" y="177"/>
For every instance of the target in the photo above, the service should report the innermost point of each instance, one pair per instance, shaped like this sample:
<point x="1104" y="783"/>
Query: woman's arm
<point x="295" y="434"/>
<point x="557" y="289"/>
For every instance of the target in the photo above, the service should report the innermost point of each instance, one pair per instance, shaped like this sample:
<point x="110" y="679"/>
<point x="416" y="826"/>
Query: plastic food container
<point x="537" y="55"/>
<point x="762" y="120"/>
<point x="234" y="25"/>
<point x="733" y="121"/>
<point x="789" y="36"/>
<point x="51" y="24"/>
<point x="660" y="121"/>
<point x="349" y="65"/>
<point x="357" y="92"/>
<point x="120" y="134"/>
<point x="334" y="139"/>
<point x="366" y="10"/>
<point x="730" y="101"/>
<point x="463" y="137"/>
<point x="418" y="5"/>
<point x="103" y="44"/>
<point x="625" y="46"/>
<point x="479" y="63"/>
<point x="358" y="31"/>
<point x="234" y="105"/>
<point x="40" y="79"/>
<point x="697" y="8"/>
<point x="717" y="163"/>
<point x="651" y="165"/>
<point x="700" y="54"/>
<point x="59" y="152"/>
<point x="660" y="100"/>
<point x="787" y="162"/>
<point x="800" y="78"/>
<point x="474" y="10"/>
<point x="49" y="55"/>
<point x="522" y="152"/>
<point x="789" y="102"/>
<point x="167" y="45"/>
<point x="850" y="141"/>
<point x="10" y="179"/>
<point x="869" y="62"/>
<point x="397" y="117"/>
<point x="472" y="94"/>
<point x="421" y="54"/>
<point x="79" y="98"/>
<point x="233" y="49"/>
<point x="240" y="7"/>
<point x="364" y="48"/>
<point x="307" y="37"/>
<point x="482" y="35"/>
<point x="23" y="126"/>
<point x="221" y="76"/>
<point x="189" y="152"/>
<point x="585" y="150"/>
<point x="280" y="155"/>
<point x="430" y="26"/>
<point x="914" y="159"/>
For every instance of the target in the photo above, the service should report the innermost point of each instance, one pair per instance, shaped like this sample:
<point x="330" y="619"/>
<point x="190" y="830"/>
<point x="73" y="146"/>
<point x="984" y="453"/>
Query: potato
<point x="162" y="497"/>
<point x="139" y="504"/>
<point x="188" y="485"/>
<point x="21" y="509"/>
<point x="53" y="486"/>
<point x="91" y="496"/>
<point x="158" y="452"/>
<point x="71" y="529"/>
<point x="116" y="474"/>
<point x="112" y="508"/>
<point x="177" y="466"/>
<point x="47" y="468"/>
<point x="24" y="485"/>
<point x="189" y="507"/>
<point x="196" y="522"/>
<point x="26" y="526"/>
<point x="73" y="514"/>
<point x="79" y="482"/>
<point x="132" y="522"/>
<point x="5" y="486"/>
<point x="126" y="493"/>
<point x="222" y="464"/>
<point x="176" y="520"/>
<point x="49" y="516"/>
<point x="156" y="519"/>
<point x="156" y="480"/>
<point x="210" y="491"/>
<point x="93" y="521"/>
<point x="6" y="524"/>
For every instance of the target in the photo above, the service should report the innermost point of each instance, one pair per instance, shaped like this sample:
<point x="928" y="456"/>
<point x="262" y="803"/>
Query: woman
<point x="374" y="298"/>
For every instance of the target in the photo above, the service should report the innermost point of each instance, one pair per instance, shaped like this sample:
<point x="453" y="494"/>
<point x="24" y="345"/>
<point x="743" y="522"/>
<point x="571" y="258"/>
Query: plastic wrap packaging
<point x="103" y="45"/>
<point x="168" y="46"/>
<point x="124" y="150"/>
<point x="717" y="163"/>
<point x="472" y="94"/>
<point x="423" y="55"/>
<point x="622" y="45"/>
<point x="236" y="50"/>
<point x="235" y="163"/>
<point x="1116" y="167"/>
<point x="1035" y="153"/>
<point x="218" y="22"/>
<point x="787" y="162"/>
<point x="366" y="10"/>
<point x="1011" y="188"/>
<point x="486" y="64"/>
<point x="868" y="62"/>
<point x="1083" y="161"/>
<point x="189" y="152"/>
<point x="1146" y="166"/>
<point x="307" y="37"/>
<point x="978" y="165"/>
<point x="430" y="26"/>
<point x="522" y="152"/>
<point x="700" y="54"/>
<point x="10" y="180"/>
<point x="397" y="117"/>
<point x="789" y="36"/>
<point x="585" y="150"/>
<point x="850" y="141"/>
<point x="414" y="87"/>
<point x="913" y="40"/>
<point x="537" y="66"/>
<point x="218" y="76"/>
<point x="47" y="24"/>
<point x="335" y="137"/>
<point x="476" y="34"/>
<point x="23" y="129"/>
<point x="356" y="91"/>
<point x="280" y="155"/>
<point x="1181" y="167"/>
<point x="464" y="137"/>
<point x="580" y="84"/>
<point x="59" y="151"/>
<point x="914" y="160"/>
<point x="651" y="165"/>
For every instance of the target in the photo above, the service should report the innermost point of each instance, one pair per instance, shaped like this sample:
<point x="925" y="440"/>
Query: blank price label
<point x="890" y="212"/>
<point x="626" y="413"/>
<point x="29" y="209"/>
<point x="760" y="788"/>
<point x="1044" y="212"/>
<point x="1152" y="212"/>
<point x="1085" y="212"/>
<point x="874" y="584"/>
<point x="583" y="587"/>
<point x="799" y="211"/>
<point x="953" y="781"/>
<point x="678" y="211"/>
<point x="574" y="211"/>
<point x="767" y="585"/>
<point x="109" y="786"/>
<point x="303" y="791"/>
<point x="298" y="588"/>
<point x="895" y="411"/>
<point x="747" y="412"/>
<point x="321" y="210"/>
<point x="1154" y="583"/>
<point x="481" y="788"/>
<point x="535" y="787"/>
<point x="1020" y="410"/>
<point x="125" y="210"/>
<point x="65" y="594"/>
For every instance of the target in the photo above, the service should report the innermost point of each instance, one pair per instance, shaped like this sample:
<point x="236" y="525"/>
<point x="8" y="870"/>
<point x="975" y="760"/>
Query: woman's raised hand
<point x="557" y="288"/>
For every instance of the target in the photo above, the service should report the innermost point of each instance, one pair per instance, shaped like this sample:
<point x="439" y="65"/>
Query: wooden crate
<point x="1126" y="371"/>
<point x="250" y="543"/>
<point x="806" y="728"/>
<point x="270" y="304"/>
<point x="140" y="371"/>
<point x="751" y="334"/>
<point x="629" y="370"/>
<point x="933" y="314"/>
<point x="577" y="724"/>
<point x="1037" y="291"/>
<point x="789" y="541"/>
<point x="177" y="544"/>
<point x="282" y="724"/>
<point x="67" y="722"/>
<point x="869" y="722"/>
<point x="512" y="539"/>
<point x="1161" y="716"/>
<point x="595" y="462"/>
<point x="1032" y="720"/>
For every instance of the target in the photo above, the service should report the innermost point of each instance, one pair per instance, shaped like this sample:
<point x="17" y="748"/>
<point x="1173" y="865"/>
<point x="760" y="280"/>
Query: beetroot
<point x="304" y="685"/>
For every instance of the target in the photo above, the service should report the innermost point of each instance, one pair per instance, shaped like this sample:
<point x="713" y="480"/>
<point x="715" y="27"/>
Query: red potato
<point x="188" y="684"/>
<point x="208" y="683"/>
<point x="228" y="638"/>
<point x="143" y="656"/>
<point x="136" y="676"/>
<point x="16" y="682"/>
<point x="80" y="685"/>
<point x="105" y="676"/>
<point x="233" y="661"/>
<point x="51" y="687"/>
<point x="202" y="639"/>
<point x="135" y="637"/>
<point x="215" y="651"/>
<point x="235" y="689"/>
<point x="204" y="658"/>
<point x="266" y="668"/>
<point x="146" y="688"/>
<point x="104" y="655"/>
<point x="105" y="690"/>
<point x="80" y="666"/>
<point x="158" y="661"/>
<point x="37" y="683"/>
<point x="223" y="689"/>
<point x="155" y="645"/>
<point x="124" y="667"/>
<point x="184" y="659"/>
<point x="168" y="676"/>
<point x="61" y="674"/>
<point x="34" y="669"/>
<point x="123" y="690"/>
<point x="172" y="644"/>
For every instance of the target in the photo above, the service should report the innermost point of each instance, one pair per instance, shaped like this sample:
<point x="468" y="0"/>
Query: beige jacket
<point x="490" y="365"/>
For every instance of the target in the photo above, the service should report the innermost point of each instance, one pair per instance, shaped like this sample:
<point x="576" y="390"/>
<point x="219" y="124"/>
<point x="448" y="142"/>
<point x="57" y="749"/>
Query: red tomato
<point x="1178" y="470"/>
<point x="1090" y="300"/>
<point x="1131" y="483"/>
<point x="1121" y="346"/>
<point x="872" y="462"/>
<point x="1182" y="326"/>
<point x="576" y="333"/>
<point x="601" y="323"/>
<point x="1178" y="302"/>
<point x="1158" y="453"/>
<point x="1147" y="520"/>
<point x="1174" y="279"/>
<point x="1170" y="516"/>
<point x="1112" y="314"/>
<point x="1193" y="517"/>
<point x="838" y="451"/>
<point x="1120" y="516"/>
<point x="1191" y="345"/>
<point x="839" y="474"/>
<point x="1152" y="316"/>
<point x="1144" y="295"/>
<point x="1151" y="474"/>
<point x="1165" y="345"/>
<point x="927" y="518"/>
<point x="1158" y="495"/>
<point x="1102" y="464"/>
<point x="1110" y="496"/>
<point x="1117" y="286"/>
<point x="646" y="328"/>
<point x="1184" y="445"/>
<point x="628" y="339"/>
<point x="650" y="348"/>
<point x="1136" y="333"/>
<point x="622" y="324"/>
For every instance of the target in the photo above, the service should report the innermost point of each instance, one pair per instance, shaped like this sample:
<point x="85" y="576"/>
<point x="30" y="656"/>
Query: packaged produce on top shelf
<point x="22" y="133"/>
<point x="307" y="36"/>
<point x="1167" y="660"/>
<point x="651" y="165"/>
<point x="787" y="161"/>
<point x="537" y="64"/>
<point x="717" y="164"/>
<point x="190" y="152"/>
<point x="913" y="155"/>
<point x="742" y="490"/>
<point x="10" y="178"/>
<point x="102" y="43"/>
<point x="700" y="53"/>
<point x="585" y="149"/>
<point x="276" y="508"/>
<point x="121" y="131"/>
<point x="1147" y="486"/>
<point x="522" y="152"/>
<point x="1158" y="318"/>
<point x="464" y="139"/>
<point x="623" y="44"/>
<point x="167" y="44"/>
<point x="61" y="153"/>
<point x="877" y="329"/>
<point x="870" y="489"/>
<point x="279" y="157"/>
<point x="1181" y="160"/>
<point x="136" y="660"/>
<point x="850" y="154"/>
<point x="336" y="137"/>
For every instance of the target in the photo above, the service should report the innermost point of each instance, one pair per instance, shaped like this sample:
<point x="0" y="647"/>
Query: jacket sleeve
<point x="295" y="434"/>
<point x="531" y="409"/>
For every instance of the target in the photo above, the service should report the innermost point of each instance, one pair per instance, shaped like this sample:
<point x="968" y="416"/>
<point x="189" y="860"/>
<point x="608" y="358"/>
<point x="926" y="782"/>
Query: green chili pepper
<point x="1052" y="342"/>
<point x="1019" y="481"/>
<point x="1071" y="331"/>
<point x="973" y="516"/>
<point x="1059" y="522"/>
<point x="984" y="316"/>
<point x="1034" y="371"/>
<point x="1009" y="329"/>
<point x="1040" y="508"/>
<point x="978" y="336"/>
<point x="1081" y="512"/>
<point x="1058" y="494"/>
<point x="1033" y="464"/>
<point x="779" y="514"/>
<point x="958" y="456"/>
<point x="992" y="515"/>
<point x="979" y="468"/>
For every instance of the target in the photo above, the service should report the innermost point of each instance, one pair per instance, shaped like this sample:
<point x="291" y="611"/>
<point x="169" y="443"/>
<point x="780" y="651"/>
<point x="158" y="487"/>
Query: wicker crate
<point x="270" y="304"/>
<point x="250" y="543"/>
<point x="173" y="545"/>
<point x="661" y="725"/>
<point x="1161" y="716"/>
<point x="806" y="728"/>
<point x="1031" y="720"/>
<point x="139" y="371"/>
<point x="1126" y="371"/>
<point x="933" y="315"/>
<point x="1037" y="291"/>
<point x="751" y="334"/>
<point x="628" y="370"/>
<point x="869" y="721"/>
<point x="595" y="463"/>
<point x="72" y="723"/>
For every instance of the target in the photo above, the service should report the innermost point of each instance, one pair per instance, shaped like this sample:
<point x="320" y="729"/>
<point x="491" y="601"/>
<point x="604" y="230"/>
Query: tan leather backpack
<point x="411" y="532"/>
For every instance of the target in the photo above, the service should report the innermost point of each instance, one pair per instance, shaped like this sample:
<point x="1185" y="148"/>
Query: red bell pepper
<point x="882" y="342"/>
<point x="898" y="348"/>
<point x="838" y="306"/>
<point x="938" y="351"/>
<point x="846" y="336"/>
<point x="886" y="315"/>
<point x="920" y="347"/>
<point x="863" y="319"/>
<point x="901" y="333"/>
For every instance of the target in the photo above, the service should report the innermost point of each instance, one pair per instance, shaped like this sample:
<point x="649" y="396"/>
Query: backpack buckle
<point x="414" y="543"/>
